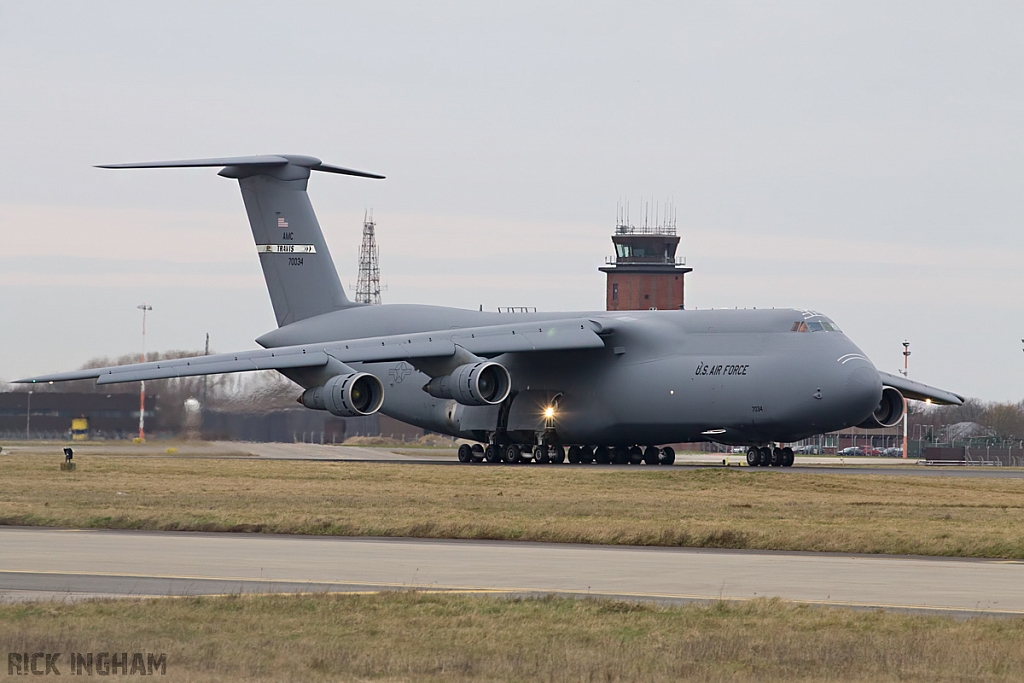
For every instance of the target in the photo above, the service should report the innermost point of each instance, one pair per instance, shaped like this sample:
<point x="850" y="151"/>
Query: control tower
<point x="645" y="273"/>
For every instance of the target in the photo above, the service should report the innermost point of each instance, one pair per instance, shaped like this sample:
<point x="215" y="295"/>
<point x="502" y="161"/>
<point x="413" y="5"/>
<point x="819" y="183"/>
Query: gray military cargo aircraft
<point x="606" y="386"/>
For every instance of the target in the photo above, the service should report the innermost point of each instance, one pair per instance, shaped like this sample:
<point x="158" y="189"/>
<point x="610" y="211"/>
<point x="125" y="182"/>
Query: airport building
<point x="645" y="273"/>
<point x="60" y="415"/>
<point x="291" y="425"/>
<point x="50" y="414"/>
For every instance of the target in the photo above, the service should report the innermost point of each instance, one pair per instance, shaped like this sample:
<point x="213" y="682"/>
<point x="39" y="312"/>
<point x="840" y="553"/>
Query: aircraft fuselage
<point x="732" y="376"/>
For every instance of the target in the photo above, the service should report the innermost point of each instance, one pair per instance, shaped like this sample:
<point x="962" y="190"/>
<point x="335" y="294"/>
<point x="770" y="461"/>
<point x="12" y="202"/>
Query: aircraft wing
<point x="921" y="392"/>
<point x="561" y="335"/>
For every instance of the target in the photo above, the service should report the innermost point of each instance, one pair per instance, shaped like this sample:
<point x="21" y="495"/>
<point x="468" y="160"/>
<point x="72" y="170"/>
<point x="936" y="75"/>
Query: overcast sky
<point x="862" y="159"/>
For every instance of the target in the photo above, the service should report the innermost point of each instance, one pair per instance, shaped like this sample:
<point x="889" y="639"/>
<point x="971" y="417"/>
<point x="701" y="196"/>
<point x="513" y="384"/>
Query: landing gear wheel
<point x="753" y="457"/>
<point x="620" y="456"/>
<point x="465" y="453"/>
<point x="575" y="455"/>
<point x="651" y="455"/>
<point x="513" y="454"/>
<point x="558" y="454"/>
<point x="766" y="457"/>
<point x="787" y="457"/>
<point x="636" y="455"/>
<point x="478" y="453"/>
<point x="492" y="453"/>
<point x="668" y="456"/>
<point x="540" y="455"/>
<point x="777" y="458"/>
<point x="586" y="455"/>
<point x="602" y="456"/>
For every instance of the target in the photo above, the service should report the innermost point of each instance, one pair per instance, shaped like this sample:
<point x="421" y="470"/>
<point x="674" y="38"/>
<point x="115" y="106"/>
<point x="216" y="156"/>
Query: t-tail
<point x="297" y="265"/>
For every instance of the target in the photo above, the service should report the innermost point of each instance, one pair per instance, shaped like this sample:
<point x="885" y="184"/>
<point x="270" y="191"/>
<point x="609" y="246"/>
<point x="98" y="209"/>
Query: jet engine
<point x="473" y="384"/>
<point x="889" y="411"/>
<point x="351" y="395"/>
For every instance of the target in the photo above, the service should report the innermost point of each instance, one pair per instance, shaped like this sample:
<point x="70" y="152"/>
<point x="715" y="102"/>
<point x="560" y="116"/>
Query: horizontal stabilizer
<point x="262" y="160"/>
<point x="561" y="335"/>
<point x="920" y="392"/>
<point x="270" y="160"/>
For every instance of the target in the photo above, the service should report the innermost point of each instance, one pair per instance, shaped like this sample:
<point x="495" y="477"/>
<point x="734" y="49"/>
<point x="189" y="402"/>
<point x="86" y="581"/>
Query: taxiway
<point x="47" y="563"/>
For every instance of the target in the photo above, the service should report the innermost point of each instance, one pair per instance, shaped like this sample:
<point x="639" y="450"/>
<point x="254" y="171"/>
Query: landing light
<point x="549" y="413"/>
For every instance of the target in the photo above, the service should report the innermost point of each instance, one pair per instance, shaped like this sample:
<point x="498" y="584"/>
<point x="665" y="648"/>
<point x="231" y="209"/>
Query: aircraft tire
<point x="492" y="453"/>
<point x="668" y="456"/>
<point x="777" y="458"/>
<point x="465" y="453"/>
<point x="753" y="457"/>
<point x="478" y="453"/>
<point x="513" y="454"/>
<point x="620" y="456"/>
<point x="787" y="457"/>
<point x="602" y="455"/>
<point x="558" y="454"/>
<point x="636" y="455"/>
<point x="586" y="455"/>
<point x="575" y="456"/>
<point x="765" y="458"/>
<point x="652" y="455"/>
<point x="541" y="455"/>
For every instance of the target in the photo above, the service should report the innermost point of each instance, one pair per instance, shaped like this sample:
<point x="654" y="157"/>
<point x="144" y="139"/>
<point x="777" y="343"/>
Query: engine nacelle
<point x="889" y="411"/>
<point x="474" y="384"/>
<point x="351" y="395"/>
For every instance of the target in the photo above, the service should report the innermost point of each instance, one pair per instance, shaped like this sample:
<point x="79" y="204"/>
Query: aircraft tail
<point x="297" y="265"/>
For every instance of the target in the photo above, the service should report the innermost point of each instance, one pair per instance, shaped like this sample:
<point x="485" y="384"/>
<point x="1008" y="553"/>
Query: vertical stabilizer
<point x="300" y="274"/>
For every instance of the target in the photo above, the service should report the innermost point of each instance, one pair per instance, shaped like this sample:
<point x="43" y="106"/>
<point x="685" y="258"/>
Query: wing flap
<point x="488" y="341"/>
<point x="381" y="349"/>
<point x="556" y="336"/>
<point x="921" y="392"/>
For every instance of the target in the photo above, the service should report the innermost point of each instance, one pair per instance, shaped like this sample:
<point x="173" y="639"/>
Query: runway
<point x="52" y="563"/>
<point x="447" y="457"/>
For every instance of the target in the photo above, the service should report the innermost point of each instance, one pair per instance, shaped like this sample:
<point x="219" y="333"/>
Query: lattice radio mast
<point x="368" y="284"/>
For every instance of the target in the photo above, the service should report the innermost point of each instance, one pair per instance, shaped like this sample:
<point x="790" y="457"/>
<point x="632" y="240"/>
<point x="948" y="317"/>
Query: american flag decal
<point x="281" y="222"/>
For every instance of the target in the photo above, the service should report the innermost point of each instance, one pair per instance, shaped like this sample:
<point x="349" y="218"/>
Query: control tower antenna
<point x="368" y="284"/>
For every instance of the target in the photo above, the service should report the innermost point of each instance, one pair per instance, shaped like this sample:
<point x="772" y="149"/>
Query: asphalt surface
<point x="446" y="456"/>
<point x="52" y="563"/>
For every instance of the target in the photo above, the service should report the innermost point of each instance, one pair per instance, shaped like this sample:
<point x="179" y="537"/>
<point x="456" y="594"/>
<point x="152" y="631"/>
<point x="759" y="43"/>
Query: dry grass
<point x="671" y="507"/>
<point x="420" y="637"/>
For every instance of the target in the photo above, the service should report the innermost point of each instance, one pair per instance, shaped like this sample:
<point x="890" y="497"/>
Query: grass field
<point x="722" y="508"/>
<point x="437" y="637"/>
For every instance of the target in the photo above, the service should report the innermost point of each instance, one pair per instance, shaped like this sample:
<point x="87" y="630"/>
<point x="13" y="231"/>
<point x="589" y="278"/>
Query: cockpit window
<point x="815" y="326"/>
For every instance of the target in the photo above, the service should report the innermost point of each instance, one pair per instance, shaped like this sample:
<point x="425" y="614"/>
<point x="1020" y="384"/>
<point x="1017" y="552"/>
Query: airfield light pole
<point x="28" y="417"/>
<point x="142" y="384"/>
<point x="906" y="413"/>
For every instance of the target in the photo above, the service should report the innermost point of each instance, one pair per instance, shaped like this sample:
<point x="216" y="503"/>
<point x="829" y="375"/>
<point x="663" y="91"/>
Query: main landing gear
<point x="770" y="457"/>
<point x="474" y="453"/>
<point x="557" y="454"/>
